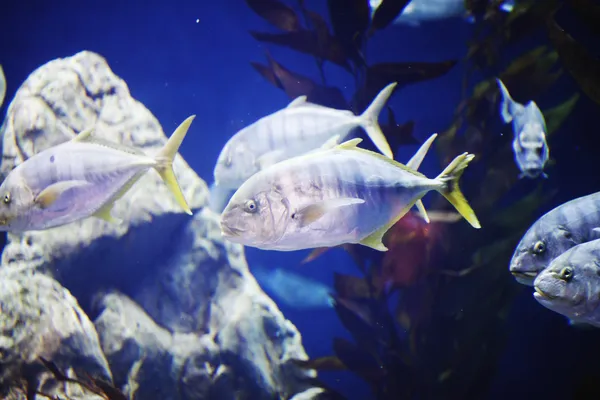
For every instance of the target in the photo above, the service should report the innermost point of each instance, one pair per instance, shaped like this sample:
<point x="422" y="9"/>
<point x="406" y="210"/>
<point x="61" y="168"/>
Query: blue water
<point x="193" y="57"/>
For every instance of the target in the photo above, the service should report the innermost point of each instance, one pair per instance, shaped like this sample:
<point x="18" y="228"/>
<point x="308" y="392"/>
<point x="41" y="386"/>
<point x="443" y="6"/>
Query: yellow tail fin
<point x="451" y="190"/>
<point x="164" y="162"/>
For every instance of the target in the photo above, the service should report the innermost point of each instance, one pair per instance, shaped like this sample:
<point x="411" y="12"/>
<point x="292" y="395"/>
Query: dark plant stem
<point x="308" y="23"/>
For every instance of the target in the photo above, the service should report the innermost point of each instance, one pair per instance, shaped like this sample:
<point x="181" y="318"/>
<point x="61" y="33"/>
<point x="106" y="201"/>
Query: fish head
<point x="531" y="151"/>
<point x="571" y="284"/>
<point x="234" y="165"/>
<point x="542" y="243"/>
<point x="257" y="214"/>
<point x="16" y="203"/>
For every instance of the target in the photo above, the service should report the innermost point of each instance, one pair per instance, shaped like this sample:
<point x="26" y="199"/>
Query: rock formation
<point x="176" y="313"/>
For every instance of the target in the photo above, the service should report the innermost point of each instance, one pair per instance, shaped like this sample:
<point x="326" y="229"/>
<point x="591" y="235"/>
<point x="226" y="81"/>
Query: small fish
<point x="2" y="86"/>
<point x="81" y="178"/>
<point x="331" y="197"/>
<point x="299" y="128"/>
<point x="418" y="11"/>
<point x="529" y="126"/>
<point x="574" y="222"/>
<point x="294" y="290"/>
<point x="570" y="285"/>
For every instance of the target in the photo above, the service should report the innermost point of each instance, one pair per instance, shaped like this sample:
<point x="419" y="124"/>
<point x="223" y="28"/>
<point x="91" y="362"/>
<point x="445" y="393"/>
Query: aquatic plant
<point x="443" y="336"/>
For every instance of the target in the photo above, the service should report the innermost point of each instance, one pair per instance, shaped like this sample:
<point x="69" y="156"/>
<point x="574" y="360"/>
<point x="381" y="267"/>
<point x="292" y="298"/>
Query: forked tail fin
<point x="164" y="162"/>
<point x="450" y="188"/>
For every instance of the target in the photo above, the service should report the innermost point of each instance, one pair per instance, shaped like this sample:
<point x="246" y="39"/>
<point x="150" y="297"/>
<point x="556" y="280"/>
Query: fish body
<point x="570" y="285"/>
<point x="80" y="178"/>
<point x="418" y="11"/>
<point x="572" y="223"/>
<point x="294" y="290"/>
<point x="2" y="86"/>
<point x="335" y="196"/>
<point x="299" y="128"/>
<point x="529" y="126"/>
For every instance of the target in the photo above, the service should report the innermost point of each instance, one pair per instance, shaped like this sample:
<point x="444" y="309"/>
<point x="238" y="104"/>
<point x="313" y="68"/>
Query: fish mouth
<point x="525" y="275"/>
<point x="229" y="231"/>
<point x="540" y="294"/>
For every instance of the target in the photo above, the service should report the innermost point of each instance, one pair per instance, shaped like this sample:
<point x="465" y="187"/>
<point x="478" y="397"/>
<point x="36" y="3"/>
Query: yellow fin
<point x="422" y="211"/>
<point x="451" y="190"/>
<point x="375" y="239"/>
<point x="104" y="213"/>
<point x="164" y="162"/>
<point x="352" y="145"/>
<point x="52" y="193"/>
<point x="83" y="135"/>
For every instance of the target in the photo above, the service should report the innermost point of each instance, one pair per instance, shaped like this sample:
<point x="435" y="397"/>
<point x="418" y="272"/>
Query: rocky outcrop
<point x="177" y="313"/>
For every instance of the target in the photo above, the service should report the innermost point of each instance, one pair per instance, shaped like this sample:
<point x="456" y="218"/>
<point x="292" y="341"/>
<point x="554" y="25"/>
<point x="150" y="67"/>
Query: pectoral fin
<point x="313" y="212"/>
<point x="52" y="193"/>
<point x="104" y="213"/>
<point x="270" y="158"/>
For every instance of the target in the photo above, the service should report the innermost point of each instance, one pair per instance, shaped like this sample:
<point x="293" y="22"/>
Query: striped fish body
<point x="287" y="133"/>
<point x="95" y="175"/>
<point x="574" y="222"/>
<point x="386" y="190"/>
<point x="570" y="285"/>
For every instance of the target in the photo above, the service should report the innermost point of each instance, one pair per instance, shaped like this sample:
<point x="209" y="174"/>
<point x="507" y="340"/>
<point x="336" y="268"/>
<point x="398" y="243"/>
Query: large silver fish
<point x="418" y="11"/>
<point x="2" y="86"/>
<point x="570" y="285"/>
<point x="529" y="126"/>
<point x="331" y="197"/>
<point x="574" y="222"/>
<point x="81" y="178"/>
<point x="299" y="128"/>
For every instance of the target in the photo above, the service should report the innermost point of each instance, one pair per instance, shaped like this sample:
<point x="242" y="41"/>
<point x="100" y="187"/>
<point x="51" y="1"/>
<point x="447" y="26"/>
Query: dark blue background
<point x="193" y="57"/>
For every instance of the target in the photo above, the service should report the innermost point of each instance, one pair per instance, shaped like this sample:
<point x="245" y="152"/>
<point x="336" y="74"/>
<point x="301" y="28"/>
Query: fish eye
<point x="250" y="206"/>
<point x="539" y="247"/>
<point x="566" y="274"/>
<point x="7" y="198"/>
<point x="228" y="161"/>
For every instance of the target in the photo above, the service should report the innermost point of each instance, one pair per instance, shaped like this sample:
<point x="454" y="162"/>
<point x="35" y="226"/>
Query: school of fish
<point x="295" y="180"/>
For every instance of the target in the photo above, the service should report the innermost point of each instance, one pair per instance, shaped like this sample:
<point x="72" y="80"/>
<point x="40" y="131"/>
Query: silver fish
<point x="529" y="126"/>
<point x="2" y="86"/>
<point x="299" y="128"/>
<point x="418" y="11"/>
<point x="574" y="222"/>
<point x="294" y="290"/>
<point x="570" y="285"/>
<point x="331" y="197"/>
<point x="81" y="178"/>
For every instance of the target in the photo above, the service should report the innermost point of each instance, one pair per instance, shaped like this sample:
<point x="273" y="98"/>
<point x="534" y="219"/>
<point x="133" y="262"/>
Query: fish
<point x="294" y="290"/>
<point x="299" y="128"/>
<point x="81" y="178"/>
<point x="328" y="198"/>
<point x="418" y="11"/>
<point x="2" y="86"/>
<point x="529" y="126"/>
<point x="570" y="285"/>
<point x="571" y="223"/>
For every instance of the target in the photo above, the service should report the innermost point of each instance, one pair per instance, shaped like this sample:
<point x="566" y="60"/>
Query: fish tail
<point x="507" y="103"/>
<point x="369" y="120"/>
<point x="164" y="162"/>
<point x="450" y="189"/>
<point x="415" y="163"/>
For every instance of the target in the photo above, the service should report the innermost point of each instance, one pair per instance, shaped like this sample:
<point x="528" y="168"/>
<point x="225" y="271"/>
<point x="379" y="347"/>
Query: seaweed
<point x="427" y="318"/>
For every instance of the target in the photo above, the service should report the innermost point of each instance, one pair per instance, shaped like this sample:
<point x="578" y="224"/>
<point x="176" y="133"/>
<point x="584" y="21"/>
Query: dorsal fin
<point x="298" y="101"/>
<point x="84" y="135"/>
<point x="352" y="145"/>
<point x="349" y="144"/>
